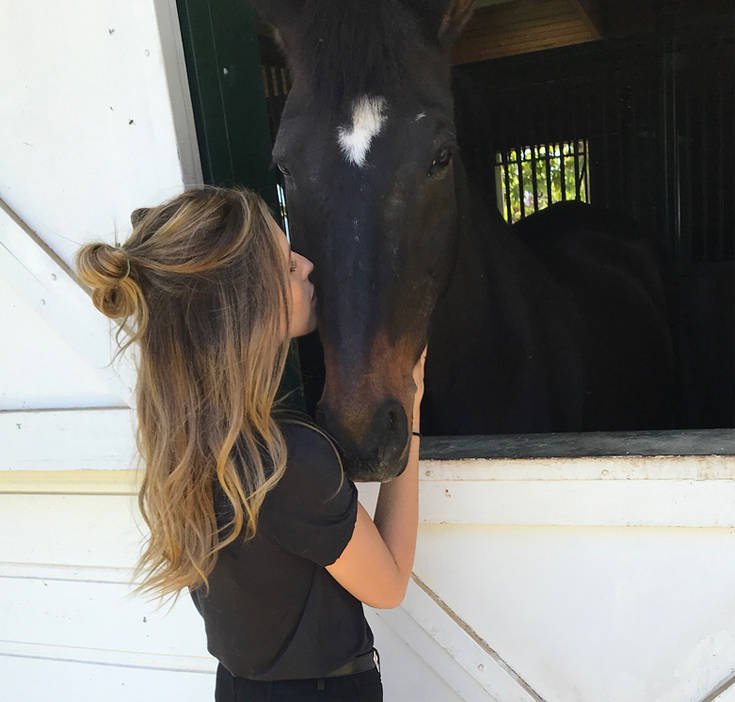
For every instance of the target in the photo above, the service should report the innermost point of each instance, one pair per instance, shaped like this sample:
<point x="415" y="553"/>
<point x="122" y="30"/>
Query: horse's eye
<point x="283" y="169"/>
<point x="440" y="162"/>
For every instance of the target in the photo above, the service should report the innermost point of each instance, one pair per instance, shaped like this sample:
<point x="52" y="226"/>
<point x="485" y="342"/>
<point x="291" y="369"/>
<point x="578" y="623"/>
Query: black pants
<point x="360" y="687"/>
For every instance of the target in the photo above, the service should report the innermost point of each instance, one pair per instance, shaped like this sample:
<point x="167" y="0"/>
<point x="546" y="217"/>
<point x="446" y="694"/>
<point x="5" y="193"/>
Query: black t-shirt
<point x="273" y="612"/>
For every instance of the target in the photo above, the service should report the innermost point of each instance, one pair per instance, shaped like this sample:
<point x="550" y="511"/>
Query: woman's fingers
<point x="419" y="367"/>
<point x="418" y="379"/>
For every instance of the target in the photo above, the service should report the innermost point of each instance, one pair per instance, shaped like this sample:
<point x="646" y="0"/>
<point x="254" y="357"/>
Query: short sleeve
<point x="312" y="510"/>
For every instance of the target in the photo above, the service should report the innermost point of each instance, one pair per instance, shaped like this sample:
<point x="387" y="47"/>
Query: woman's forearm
<point x="396" y="514"/>
<point x="376" y="563"/>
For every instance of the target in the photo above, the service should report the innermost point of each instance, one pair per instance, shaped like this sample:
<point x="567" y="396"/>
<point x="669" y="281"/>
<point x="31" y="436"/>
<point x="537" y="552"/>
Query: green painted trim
<point x="222" y="55"/>
<point x="223" y="63"/>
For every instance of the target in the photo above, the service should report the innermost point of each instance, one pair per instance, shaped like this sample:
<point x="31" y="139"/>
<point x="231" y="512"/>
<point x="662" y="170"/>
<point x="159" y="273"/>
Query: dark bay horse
<point x="556" y="324"/>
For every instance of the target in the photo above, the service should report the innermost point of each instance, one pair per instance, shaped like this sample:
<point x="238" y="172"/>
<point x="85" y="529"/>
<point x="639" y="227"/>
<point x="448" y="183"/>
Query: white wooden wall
<point x="535" y="580"/>
<point x="565" y="581"/>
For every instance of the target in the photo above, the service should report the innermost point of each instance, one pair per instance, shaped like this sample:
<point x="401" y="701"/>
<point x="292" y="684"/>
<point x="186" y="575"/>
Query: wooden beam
<point x="38" y="241"/>
<point x="451" y="648"/>
<point x="524" y="26"/>
<point x="590" y="15"/>
<point x="52" y="290"/>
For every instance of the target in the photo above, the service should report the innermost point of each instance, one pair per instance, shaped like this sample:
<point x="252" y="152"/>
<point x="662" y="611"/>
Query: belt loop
<point x="376" y="658"/>
<point x="321" y="683"/>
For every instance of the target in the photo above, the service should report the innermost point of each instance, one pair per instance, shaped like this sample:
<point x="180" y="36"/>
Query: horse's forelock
<point x="350" y="49"/>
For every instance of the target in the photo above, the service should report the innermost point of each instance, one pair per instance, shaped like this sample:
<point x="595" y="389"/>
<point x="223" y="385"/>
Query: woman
<point x="246" y="503"/>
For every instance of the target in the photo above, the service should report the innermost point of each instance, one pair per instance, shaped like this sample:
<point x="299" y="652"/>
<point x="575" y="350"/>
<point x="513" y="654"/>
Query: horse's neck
<point x="492" y="268"/>
<point x="485" y="368"/>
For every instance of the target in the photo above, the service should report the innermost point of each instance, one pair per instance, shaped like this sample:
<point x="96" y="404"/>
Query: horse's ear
<point x="456" y="16"/>
<point x="444" y="20"/>
<point x="136" y="216"/>
<point x="277" y="12"/>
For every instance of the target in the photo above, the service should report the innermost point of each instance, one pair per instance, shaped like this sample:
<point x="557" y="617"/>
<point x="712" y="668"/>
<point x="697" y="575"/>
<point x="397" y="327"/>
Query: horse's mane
<point x="349" y="48"/>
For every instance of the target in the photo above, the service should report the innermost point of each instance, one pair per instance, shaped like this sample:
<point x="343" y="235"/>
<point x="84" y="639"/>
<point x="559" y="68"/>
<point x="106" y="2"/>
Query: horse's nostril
<point x="394" y="420"/>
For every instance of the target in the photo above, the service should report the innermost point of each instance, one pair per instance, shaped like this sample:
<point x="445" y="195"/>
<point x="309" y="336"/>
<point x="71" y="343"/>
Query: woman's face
<point x="303" y="301"/>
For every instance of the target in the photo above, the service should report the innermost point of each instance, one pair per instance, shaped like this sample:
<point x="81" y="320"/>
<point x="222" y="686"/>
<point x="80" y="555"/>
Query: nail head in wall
<point x="111" y="30"/>
<point x="147" y="52"/>
<point x="131" y="121"/>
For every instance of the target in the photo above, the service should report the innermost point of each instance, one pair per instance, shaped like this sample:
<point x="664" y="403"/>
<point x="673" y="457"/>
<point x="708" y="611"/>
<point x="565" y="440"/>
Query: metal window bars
<point x="530" y="178"/>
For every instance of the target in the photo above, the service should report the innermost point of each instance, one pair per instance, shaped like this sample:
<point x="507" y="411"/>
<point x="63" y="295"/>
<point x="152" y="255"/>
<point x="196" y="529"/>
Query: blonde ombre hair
<point x="201" y="287"/>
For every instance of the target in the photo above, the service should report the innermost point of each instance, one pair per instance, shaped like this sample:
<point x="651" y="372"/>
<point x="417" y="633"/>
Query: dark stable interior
<point x="654" y="99"/>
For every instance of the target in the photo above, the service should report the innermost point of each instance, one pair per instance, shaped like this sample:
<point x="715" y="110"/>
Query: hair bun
<point x="106" y="270"/>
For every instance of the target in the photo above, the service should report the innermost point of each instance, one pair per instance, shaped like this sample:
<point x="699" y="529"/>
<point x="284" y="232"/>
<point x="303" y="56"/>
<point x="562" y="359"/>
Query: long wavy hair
<point x="201" y="289"/>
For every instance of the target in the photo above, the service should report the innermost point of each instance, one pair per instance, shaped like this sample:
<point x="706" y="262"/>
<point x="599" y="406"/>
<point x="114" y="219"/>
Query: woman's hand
<point x="418" y="379"/>
<point x="376" y="563"/>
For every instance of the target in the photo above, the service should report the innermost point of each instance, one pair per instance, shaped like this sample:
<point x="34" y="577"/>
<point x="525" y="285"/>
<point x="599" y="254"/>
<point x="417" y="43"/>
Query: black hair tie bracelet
<point x="415" y="433"/>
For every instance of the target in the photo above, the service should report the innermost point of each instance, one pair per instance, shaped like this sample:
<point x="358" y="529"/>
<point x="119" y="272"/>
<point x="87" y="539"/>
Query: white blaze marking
<point x="368" y="117"/>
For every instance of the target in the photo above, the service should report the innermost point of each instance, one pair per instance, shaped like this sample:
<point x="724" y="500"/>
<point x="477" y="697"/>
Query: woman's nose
<point x="309" y="266"/>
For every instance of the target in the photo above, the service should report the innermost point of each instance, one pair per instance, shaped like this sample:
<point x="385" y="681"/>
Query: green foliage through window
<point x="530" y="178"/>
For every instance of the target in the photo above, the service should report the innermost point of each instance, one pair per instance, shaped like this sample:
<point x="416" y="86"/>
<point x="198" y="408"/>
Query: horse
<point x="555" y="324"/>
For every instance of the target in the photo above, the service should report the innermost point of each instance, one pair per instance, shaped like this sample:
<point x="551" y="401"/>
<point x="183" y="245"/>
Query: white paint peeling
<point x="420" y="116"/>
<point x="368" y="117"/>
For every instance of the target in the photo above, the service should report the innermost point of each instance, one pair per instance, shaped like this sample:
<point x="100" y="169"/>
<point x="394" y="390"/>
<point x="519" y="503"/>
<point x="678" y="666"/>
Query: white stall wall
<point x="95" y="120"/>
<point x="95" y="115"/>
<point x="594" y="614"/>
<point x="505" y="607"/>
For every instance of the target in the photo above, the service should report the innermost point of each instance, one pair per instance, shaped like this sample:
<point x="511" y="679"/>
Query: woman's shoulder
<point x="307" y="443"/>
<point x="314" y="465"/>
<point x="302" y="432"/>
<point x="311" y="511"/>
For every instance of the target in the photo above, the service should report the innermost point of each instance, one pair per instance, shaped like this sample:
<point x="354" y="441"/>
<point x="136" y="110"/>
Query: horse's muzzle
<point x="378" y="451"/>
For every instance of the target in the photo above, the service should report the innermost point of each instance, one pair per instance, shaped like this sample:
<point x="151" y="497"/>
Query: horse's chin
<point x="372" y="437"/>
<point x="361" y="471"/>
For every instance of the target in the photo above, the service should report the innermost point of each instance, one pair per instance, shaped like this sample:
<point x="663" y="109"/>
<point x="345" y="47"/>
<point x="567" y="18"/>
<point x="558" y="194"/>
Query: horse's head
<point x="366" y="145"/>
